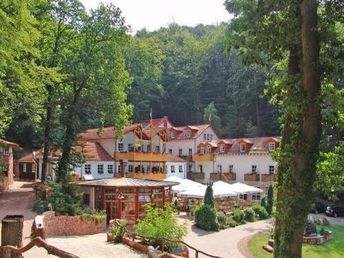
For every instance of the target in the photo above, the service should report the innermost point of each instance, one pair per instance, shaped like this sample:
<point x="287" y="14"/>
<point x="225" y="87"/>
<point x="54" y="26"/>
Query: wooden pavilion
<point x="124" y="198"/>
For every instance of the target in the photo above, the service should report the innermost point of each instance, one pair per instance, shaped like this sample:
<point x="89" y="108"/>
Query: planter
<point x="109" y="237"/>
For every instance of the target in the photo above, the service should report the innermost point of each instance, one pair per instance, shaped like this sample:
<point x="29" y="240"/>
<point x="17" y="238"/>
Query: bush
<point x="270" y="200"/>
<point x="95" y="216"/>
<point x="260" y="211"/>
<point x="41" y="206"/>
<point x="249" y="214"/>
<point x="160" y="223"/>
<point x="205" y="218"/>
<point x="224" y="221"/>
<point x="118" y="230"/>
<point x="209" y="197"/>
<point x="238" y="215"/>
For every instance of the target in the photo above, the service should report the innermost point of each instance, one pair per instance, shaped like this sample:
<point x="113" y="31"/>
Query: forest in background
<point x="186" y="73"/>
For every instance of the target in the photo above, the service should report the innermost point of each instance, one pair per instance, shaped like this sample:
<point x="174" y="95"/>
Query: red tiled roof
<point x="127" y="182"/>
<point x="155" y="122"/>
<point x="195" y="131"/>
<point x="9" y="143"/>
<point x="98" y="133"/>
<point x="173" y="158"/>
<point x="93" y="151"/>
<point x="28" y="157"/>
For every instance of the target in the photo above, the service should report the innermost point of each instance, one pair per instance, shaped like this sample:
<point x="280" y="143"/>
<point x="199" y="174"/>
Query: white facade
<point x="96" y="169"/>
<point x="177" y="169"/>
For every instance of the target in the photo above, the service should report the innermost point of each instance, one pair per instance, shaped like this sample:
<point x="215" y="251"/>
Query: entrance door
<point x="112" y="204"/>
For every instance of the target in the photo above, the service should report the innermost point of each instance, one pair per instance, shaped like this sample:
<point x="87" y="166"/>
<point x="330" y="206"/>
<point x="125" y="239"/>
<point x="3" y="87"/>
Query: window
<point x="271" y="169"/>
<point x="254" y="168"/>
<point x="255" y="196"/>
<point x="6" y="151"/>
<point x="110" y="168"/>
<point x="190" y="152"/>
<point x="272" y="146"/>
<point x="170" y="151"/>
<point x="120" y="147"/>
<point x="201" y="151"/>
<point x="243" y="196"/>
<point x="130" y="147"/>
<point x="157" y="149"/>
<point x="208" y="137"/>
<point x="219" y="168"/>
<point x="180" y="152"/>
<point x="190" y="168"/>
<point x="208" y="149"/>
<point x="172" y="135"/>
<point x="24" y="168"/>
<point x="211" y="137"/>
<point x="88" y="168"/>
<point x="119" y="168"/>
<point x="172" y="169"/>
<point x="222" y="149"/>
<point x="200" y="168"/>
<point x="148" y="148"/>
<point x="100" y="169"/>
<point x="231" y="168"/>
<point x="242" y="147"/>
<point x="180" y="168"/>
<point x="130" y="168"/>
<point x="204" y="137"/>
<point x="187" y="134"/>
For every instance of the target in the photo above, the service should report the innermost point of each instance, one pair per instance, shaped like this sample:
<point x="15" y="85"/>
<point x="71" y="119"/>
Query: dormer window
<point x="242" y="147"/>
<point x="172" y="135"/>
<point x="187" y="134"/>
<point x="222" y="149"/>
<point x="254" y="169"/>
<point x="272" y="146"/>
<point x="201" y="150"/>
<point x="208" y="149"/>
<point x="204" y="137"/>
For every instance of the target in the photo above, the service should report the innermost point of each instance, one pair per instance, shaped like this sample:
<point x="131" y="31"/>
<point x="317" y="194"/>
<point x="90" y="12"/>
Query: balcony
<point x="148" y="175"/>
<point x="141" y="156"/>
<point x="203" y="157"/>
<point x="267" y="177"/>
<point x="254" y="177"/>
<point x="223" y="176"/>
<point x="196" y="176"/>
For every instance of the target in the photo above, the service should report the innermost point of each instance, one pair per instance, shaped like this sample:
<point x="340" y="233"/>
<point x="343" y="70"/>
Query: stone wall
<point x="67" y="225"/>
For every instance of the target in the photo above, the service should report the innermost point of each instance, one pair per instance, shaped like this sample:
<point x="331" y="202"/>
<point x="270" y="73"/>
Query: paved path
<point x="225" y="242"/>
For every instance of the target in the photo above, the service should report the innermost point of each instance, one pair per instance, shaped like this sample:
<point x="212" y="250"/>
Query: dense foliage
<point x="205" y="218"/>
<point x="270" y="200"/>
<point x="159" y="223"/>
<point x="209" y="196"/>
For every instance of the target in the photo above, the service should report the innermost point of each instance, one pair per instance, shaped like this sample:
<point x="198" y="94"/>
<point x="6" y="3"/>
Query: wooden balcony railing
<point x="141" y="156"/>
<point x="148" y="175"/>
<point x="267" y="177"/>
<point x="252" y="177"/>
<point x="223" y="176"/>
<point x="203" y="157"/>
<point x="196" y="175"/>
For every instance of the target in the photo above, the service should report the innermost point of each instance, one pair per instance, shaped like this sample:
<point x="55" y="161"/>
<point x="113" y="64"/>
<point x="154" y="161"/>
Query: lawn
<point x="332" y="249"/>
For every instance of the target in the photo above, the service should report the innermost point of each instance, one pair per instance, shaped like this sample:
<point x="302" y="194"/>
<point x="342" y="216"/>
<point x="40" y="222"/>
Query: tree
<point x="209" y="196"/>
<point x="210" y="116"/>
<point x="286" y="33"/>
<point x="270" y="200"/>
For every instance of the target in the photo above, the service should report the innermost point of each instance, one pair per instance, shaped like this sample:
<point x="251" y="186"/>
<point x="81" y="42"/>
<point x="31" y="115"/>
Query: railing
<point x="6" y="250"/>
<point x="203" y="157"/>
<point x="267" y="177"/>
<point x="196" y="175"/>
<point x="223" y="176"/>
<point x="140" y="156"/>
<point x="134" y="237"/>
<point x="251" y="177"/>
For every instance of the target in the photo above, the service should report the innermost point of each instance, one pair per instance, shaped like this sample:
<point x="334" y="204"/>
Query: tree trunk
<point x="301" y="136"/>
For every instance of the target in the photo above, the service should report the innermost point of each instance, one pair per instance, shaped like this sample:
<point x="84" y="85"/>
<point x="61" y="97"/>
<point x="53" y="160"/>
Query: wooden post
<point x="12" y="232"/>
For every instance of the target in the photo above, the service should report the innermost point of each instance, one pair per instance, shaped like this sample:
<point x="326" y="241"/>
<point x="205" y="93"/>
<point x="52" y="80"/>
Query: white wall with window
<point x="178" y="169"/>
<point x="96" y="169"/>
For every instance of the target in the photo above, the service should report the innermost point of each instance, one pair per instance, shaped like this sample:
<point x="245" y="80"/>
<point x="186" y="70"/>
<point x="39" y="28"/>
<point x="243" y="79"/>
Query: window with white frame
<point x="201" y="150"/>
<point x="170" y="151"/>
<point x="100" y="168"/>
<point x="130" y="168"/>
<point x="88" y="168"/>
<point x="130" y="147"/>
<point x="208" y="137"/>
<point x="243" y="196"/>
<point x="120" y="147"/>
<point x="190" y="152"/>
<point x="219" y="168"/>
<point x="230" y="168"/>
<point x="148" y="148"/>
<point x="255" y="196"/>
<point x="272" y="146"/>
<point x="254" y="169"/>
<point x="180" y="152"/>
<point x="110" y="168"/>
<point x="172" y="169"/>
<point x="242" y="147"/>
<point x="222" y="149"/>
<point x="204" y="137"/>
<point x="271" y="169"/>
<point x="119" y="168"/>
<point x="24" y="167"/>
<point x="157" y="149"/>
<point x="180" y="169"/>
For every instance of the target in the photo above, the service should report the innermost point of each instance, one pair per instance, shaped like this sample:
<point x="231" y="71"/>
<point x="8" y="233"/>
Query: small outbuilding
<point x="125" y="198"/>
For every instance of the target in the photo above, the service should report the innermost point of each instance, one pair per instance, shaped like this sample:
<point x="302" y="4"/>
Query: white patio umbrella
<point x="219" y="191"/>
<point x="184" y="184"/>
<point x="241" y="188"/>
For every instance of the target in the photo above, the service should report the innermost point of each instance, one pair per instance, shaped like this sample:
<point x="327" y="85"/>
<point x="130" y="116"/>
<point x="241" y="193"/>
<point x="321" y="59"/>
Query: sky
<point x="153" y="14"/>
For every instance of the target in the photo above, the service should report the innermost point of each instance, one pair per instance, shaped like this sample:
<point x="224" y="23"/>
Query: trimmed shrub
<point x="238" y="215"/>
<point x="205" y="218"/>
<point x="260" y="211"/>
<point x="209" y="197"/>
<point x="231" y="222"/>
<point x="249" y="214"/>
<point x="224" y="221"/>
<point x="41" y="206"/>
<point x="270" y="200"/>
